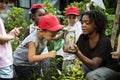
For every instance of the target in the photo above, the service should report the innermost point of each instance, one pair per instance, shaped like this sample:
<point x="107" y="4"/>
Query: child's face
<point x="3" y="5"/>
<point x="72" y="19"/>
<point x="38" y="14"/>
<point x="48" y="35"/>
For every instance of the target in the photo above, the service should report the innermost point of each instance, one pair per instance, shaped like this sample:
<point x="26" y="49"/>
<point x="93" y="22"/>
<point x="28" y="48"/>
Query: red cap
<point x="37" y="6"/>
<point x="72" y="10"/>
<point x="50" y="23"/>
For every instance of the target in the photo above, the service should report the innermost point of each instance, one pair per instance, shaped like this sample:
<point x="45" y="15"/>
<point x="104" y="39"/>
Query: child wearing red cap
<point x="36" y="11"/>
<point x="72" y="16"/>
<point x="6" y="59"/>
<point x="33" y="48"/>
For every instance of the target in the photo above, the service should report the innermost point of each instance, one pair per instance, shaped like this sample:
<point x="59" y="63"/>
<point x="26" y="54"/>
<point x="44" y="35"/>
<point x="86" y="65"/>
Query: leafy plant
<point x="110" y="6"/>
<point x="110" y="18"/>
<point x="50" y="9"/>
<point x="73" y="73"/>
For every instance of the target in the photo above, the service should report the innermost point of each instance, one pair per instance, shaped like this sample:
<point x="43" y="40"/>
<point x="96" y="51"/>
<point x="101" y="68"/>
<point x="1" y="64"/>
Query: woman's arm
<point x="91" y="63"/>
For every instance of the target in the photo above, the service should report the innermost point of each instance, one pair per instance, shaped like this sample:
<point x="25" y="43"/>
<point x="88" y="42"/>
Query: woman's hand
<point x="73" y="51"/>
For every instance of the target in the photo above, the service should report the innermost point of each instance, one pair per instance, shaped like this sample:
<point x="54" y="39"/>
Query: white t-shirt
<point x="32" y="28"/>
<point x="78" y="30"/>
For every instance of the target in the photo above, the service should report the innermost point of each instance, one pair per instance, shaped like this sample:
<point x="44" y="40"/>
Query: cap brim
<point x="72" y="13"/>
<point x="56" y="28"/>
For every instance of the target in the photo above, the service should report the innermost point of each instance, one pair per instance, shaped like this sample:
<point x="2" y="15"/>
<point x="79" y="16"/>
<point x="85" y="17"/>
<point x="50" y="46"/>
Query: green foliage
<point x="16" y="18"/>
<point x="110" y="19"/>
<point x="73" y="73"/>
<point x="110" y="6"/>
<point x="50" y="9"/>
<point x="52" y="70"/>
<point x="80" y="5"/>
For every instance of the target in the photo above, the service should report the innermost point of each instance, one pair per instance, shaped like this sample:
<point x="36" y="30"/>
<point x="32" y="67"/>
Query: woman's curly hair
<point x="4" y="0"/>
<point x="99" y="18"/>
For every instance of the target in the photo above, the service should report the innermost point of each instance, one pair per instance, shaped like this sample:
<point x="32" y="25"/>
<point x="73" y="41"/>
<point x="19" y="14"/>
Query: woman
<point x="93" y="48"/>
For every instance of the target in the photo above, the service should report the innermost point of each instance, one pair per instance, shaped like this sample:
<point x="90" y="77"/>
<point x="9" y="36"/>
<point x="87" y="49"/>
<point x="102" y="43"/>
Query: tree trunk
<point x="116" y="24"/>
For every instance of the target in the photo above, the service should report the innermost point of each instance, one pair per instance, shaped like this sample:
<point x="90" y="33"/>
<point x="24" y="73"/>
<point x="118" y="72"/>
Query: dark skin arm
<point x="91" y="63"/>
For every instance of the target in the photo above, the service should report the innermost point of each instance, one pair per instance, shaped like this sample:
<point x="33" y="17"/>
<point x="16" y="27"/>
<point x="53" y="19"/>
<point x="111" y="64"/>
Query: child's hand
<point x="58" y="36"/>
<point x="115" y="55"/>
<point x="52" y="54"/>
<point x="15" y="32"/>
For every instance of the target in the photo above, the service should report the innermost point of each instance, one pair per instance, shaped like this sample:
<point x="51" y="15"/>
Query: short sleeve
<point x="31" y="38"/>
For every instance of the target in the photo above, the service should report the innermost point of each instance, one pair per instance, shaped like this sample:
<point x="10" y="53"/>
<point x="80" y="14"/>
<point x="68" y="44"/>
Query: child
<point x="72" y="15"/>
<point x="33" y="48"/>
<point x="36" y="11"/>
<point x="6" y="60"/>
